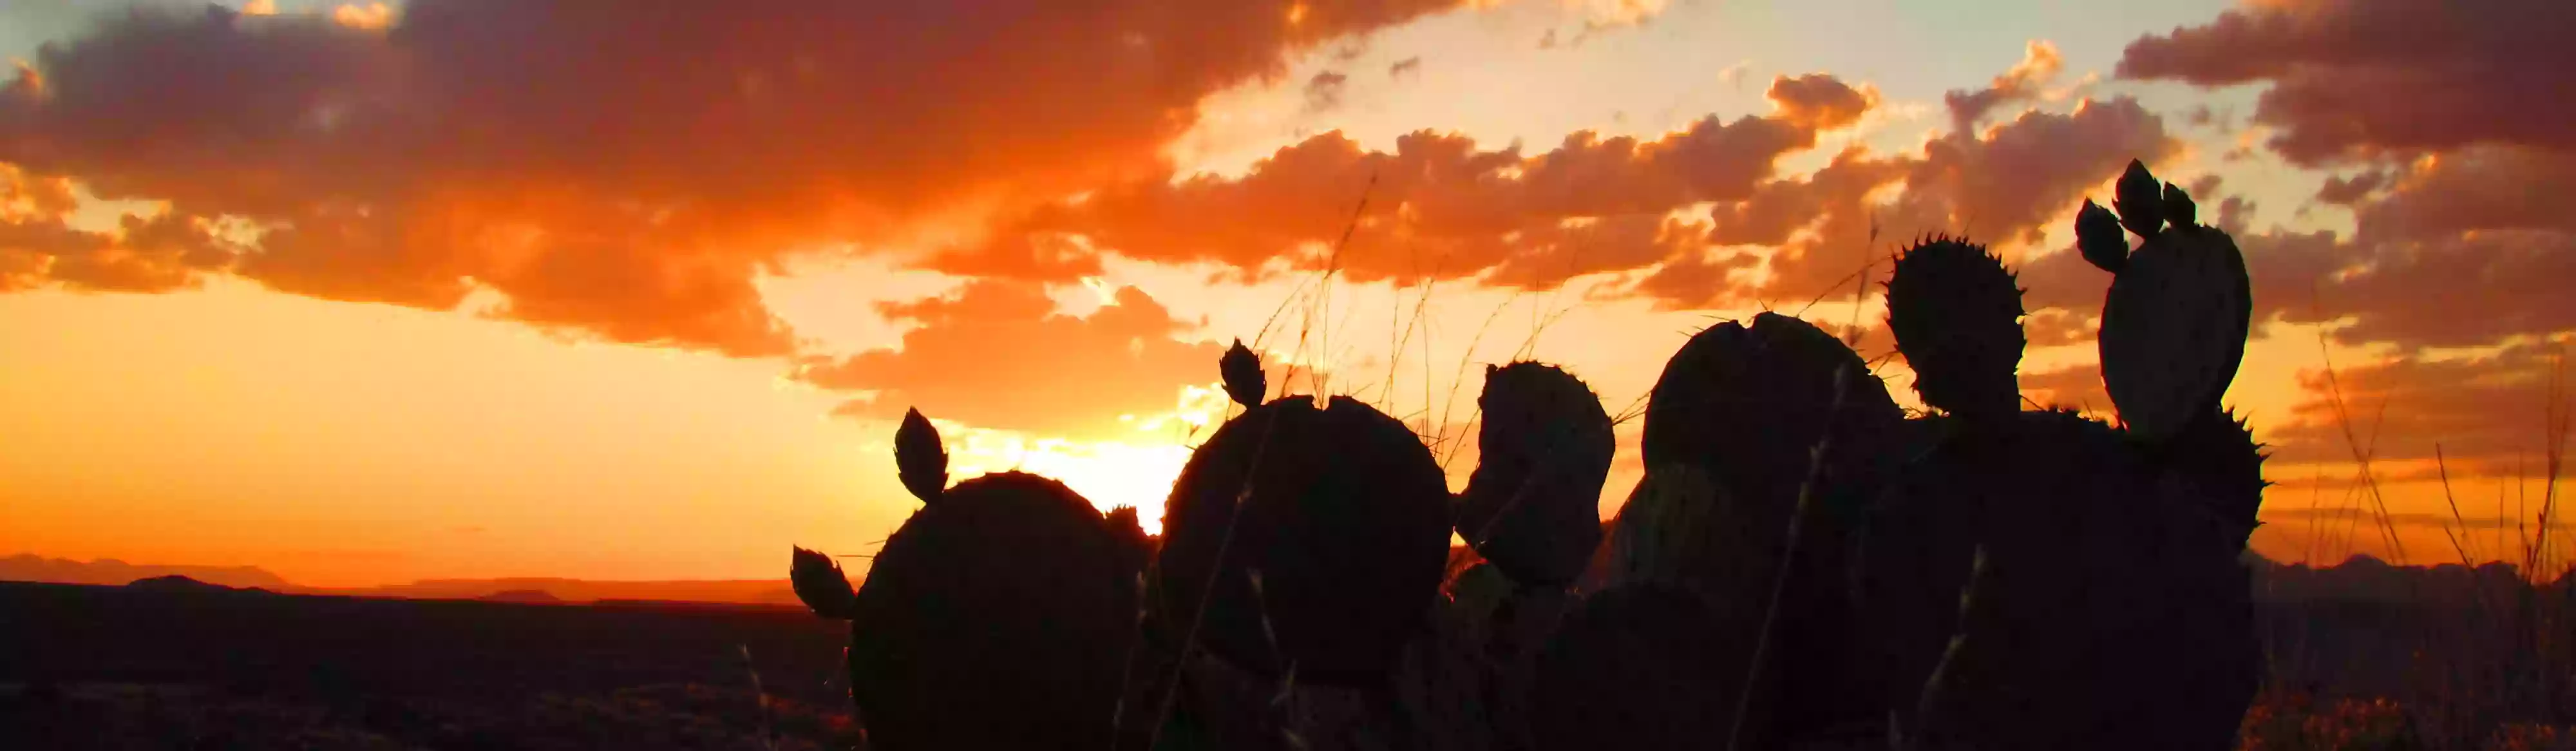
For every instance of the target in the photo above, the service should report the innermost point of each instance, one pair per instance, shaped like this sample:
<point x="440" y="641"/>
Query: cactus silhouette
<point x="2175" y="323"/>
<point x="1800" y="566"/>
<point x="1342" y="513"/>
<point x="1635" y="668"/>
<point x="1241" y="372"/>
<point x="818" y="582"/>
<point x="1006" y="596"/>
<point x="1957" y="318"/>
<point x="2109" y="613"/>
<point x="2099" y="237"/>
<point x="1792" y="432"/>
<point x="919" y="459"/>
<point x="1532" y="505"/>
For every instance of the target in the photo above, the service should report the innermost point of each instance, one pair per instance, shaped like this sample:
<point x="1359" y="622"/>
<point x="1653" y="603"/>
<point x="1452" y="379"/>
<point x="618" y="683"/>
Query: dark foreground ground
<point x="128" y="668"/>
<point x="143" y="667"/>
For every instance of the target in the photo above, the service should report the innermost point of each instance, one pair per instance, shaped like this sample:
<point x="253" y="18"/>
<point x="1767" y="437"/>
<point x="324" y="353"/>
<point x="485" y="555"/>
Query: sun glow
<point x="1136" y="470"/>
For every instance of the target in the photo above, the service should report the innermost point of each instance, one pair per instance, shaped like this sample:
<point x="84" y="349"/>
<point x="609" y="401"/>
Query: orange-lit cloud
<point x="615" y="169"/>
<point x="38" y="244"/>
<point x="2485" y="413"/>
<point x="995" y="354"/>
<point x="2039" y="64"/>
<point x="1441" y="207"/>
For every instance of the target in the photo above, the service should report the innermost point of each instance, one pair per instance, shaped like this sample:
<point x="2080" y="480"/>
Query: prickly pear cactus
<point x="2215" y="461"/>
<point x="2107" y="613"/>
<point x="2099" y="237"/>
<point x="1241" y="371"/>
<point x="819" y="583"/>
<point x="1635" y="667"/>
<point x="1444" y="683"/>
<point x="1532" y="508"/>
<point x="1006" y="596"/>
<point x="1749" y="404"/>
<point x="1957" y="315"/>
<point x="1910" y="560"/>
<point x="919" y="459"/>
<point x="1780" y="417"/>
<point x="2175" y="323"/>
<point x="1344" y="514"/>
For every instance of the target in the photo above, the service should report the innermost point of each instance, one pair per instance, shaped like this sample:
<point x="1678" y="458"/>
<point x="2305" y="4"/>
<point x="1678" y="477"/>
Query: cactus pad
<point x="1009" y="596"/>
<point x="1532" y="508"/>
<point x="1957" y="318"/>
<point x="1344" y="513"/>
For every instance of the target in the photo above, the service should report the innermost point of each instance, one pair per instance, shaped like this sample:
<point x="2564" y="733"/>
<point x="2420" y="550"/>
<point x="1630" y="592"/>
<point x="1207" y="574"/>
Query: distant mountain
<point x="2364" y="578"/>
<point x="523" y="597"/>
<point x="31" y="568"/>
<point x="115" y="572"/>
<point x="739" y="591"/>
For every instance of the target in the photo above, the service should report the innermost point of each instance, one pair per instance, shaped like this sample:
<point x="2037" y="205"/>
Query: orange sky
<point x="455" y="288"/>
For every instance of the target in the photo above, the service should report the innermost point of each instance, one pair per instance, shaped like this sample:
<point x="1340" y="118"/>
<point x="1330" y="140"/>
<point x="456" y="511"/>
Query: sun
<point x="1136" y="469"/>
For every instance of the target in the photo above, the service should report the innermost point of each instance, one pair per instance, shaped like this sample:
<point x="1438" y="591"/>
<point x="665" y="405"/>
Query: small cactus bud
<point x="2139" y="201"/>
<point x="2178" y="209"/>
<point x="819" y="582"/>
<point x="919" y="459"/>
<point x="1242" y="371"/>
<point x="2098" y="235"/>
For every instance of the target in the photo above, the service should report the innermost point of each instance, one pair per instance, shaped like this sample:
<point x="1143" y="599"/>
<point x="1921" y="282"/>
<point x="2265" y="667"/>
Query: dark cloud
<point x="995" y="354"/>
<point x="1407" y="66"/>
<point x="2351" y="190"/>
<point x="2466" y="249"/>
<point x="2353" y="78"/>
<point x="1324" y="91"/>
<point x="619" y="168"/>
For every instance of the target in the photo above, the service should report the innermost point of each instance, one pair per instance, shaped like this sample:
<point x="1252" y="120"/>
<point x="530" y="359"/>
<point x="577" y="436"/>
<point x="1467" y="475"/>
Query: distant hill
<point x="2364" y="578"/>
<point x="739" y="591"/>
<point x="110" y="571"/>
<point x="523" y="597"/>
<point x="30" y="568"/>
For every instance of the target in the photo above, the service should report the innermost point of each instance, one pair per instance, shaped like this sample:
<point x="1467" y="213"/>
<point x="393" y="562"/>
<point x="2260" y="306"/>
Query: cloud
<point x="1820" y="101"/>
<point x="2357" y="78"/>
<point x="2077" y="386"/>
<point x="1441" y="206"/>
<point x="1408" y="66"/>
<point x="1999" y="186"/>
<point x="2463" y="249"/>
<point x="1324" y="91"/>
<point x="2484" y="411"/>
<point x="617" y="169"/>
<point x="996" y="354"/>
<point x="2039" y="64"/>
<point x="38" y="244"/>
<point x="2342" y="190"/>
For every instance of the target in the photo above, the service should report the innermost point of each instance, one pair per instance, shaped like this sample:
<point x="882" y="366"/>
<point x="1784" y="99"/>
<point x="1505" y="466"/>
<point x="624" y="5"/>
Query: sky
<point x="368" y="293"/>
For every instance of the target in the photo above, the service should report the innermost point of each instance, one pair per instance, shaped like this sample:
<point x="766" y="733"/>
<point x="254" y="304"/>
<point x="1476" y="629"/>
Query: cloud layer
<point x="619" y="168"/>
<point x="995" y="354"/>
